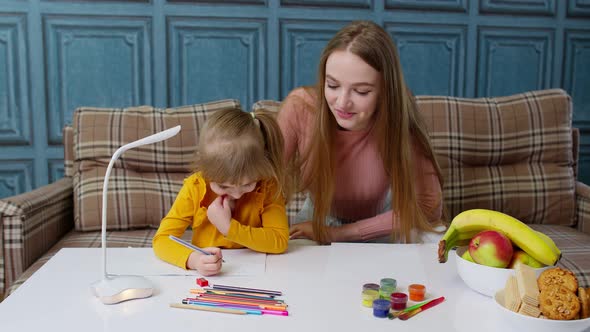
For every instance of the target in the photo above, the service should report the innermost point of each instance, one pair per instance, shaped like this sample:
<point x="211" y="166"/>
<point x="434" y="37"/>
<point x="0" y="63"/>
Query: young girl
<point x="235" y="199"/>
<point x="362" y="149"/>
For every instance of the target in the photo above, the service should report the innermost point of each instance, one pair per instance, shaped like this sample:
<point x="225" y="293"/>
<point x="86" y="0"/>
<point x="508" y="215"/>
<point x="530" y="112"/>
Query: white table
<point x="321" y="285"/>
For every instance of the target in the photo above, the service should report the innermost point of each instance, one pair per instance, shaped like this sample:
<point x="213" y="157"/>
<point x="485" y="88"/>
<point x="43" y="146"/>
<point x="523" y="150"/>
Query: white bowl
<point x="484" y="279"/>
<point x="527" y="323"/>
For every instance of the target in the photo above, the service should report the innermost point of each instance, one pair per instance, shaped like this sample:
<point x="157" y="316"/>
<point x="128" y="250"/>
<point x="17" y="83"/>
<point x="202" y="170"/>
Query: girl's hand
<point x="207" y="265"/>
<point x="219" y="214"/>
<point x="302" y="230"/>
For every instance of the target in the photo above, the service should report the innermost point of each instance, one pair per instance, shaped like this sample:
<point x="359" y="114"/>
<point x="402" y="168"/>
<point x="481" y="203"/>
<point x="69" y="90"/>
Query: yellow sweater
<point x="259" y="222"/>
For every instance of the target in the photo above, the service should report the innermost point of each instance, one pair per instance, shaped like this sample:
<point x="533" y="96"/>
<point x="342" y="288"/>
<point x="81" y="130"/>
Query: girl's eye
<point x="363" y="93"/>
<point x="332" y="86"/>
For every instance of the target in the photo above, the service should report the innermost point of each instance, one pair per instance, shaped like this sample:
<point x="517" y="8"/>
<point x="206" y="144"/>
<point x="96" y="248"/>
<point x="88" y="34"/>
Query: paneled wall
<point x="56" y="55"/>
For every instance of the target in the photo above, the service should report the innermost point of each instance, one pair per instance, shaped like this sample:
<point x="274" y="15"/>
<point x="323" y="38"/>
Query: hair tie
<point x="256" y="121"/>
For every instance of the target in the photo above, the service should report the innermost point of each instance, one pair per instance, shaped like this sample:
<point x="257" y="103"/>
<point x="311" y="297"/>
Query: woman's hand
<point x="207" y="265"/>
<point x="302" y="230"/>
<point x="219" y="214"/>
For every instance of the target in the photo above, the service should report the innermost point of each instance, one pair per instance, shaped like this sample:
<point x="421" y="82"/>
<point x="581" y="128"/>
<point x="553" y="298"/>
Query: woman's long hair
<point x="398" y="126"/>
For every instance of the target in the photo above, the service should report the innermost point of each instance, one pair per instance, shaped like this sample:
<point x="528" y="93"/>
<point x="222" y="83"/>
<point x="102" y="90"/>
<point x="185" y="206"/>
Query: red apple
<point x="491" y="248"/>
<point x="521" y="257"/>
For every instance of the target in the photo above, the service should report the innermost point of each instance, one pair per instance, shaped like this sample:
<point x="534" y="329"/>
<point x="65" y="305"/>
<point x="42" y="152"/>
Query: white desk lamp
<point x="117" y="288"/>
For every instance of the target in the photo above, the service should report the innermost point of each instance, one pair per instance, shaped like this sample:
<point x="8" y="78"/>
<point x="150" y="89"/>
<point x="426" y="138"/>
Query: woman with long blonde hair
<point x="359" y="144"/>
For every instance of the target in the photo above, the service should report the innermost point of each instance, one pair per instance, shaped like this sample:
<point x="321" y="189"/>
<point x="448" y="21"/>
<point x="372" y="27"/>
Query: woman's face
<point x="351" y="90"/>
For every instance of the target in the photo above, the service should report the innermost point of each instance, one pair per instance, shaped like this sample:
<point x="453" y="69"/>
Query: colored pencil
<point x="245" y="289"/>
<point x="209" y="308"/>
<point x="234" y="293"/>
<point x="239" y="298"/>
<point x="190" y="246"/>
<point x="266" y="306"/>
<point x="250" y="306"/>
<point x="279" y="312"/>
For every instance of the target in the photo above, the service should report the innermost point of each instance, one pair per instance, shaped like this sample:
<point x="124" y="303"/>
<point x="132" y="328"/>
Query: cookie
<point x="584" y="296"/>
<point x="558" y="276"/>
<point x="558" y="302"/>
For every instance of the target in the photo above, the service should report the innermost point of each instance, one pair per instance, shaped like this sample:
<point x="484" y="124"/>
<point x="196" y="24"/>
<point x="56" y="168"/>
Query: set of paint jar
<point x="382" y="297"/>
<point x="372" y="292"/>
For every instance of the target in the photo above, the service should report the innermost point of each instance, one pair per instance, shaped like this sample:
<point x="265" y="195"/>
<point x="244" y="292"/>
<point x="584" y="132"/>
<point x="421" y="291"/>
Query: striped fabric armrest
<point x="583" y="207"/>
<point x="30" y="224"/>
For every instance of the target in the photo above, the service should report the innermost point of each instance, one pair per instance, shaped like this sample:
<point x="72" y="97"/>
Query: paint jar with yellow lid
<point x="368" y="296"/>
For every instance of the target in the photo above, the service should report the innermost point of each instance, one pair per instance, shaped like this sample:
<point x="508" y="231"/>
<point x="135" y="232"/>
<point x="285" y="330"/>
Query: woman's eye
<point x="363" y="93"/>
<point x="332" y="86"/>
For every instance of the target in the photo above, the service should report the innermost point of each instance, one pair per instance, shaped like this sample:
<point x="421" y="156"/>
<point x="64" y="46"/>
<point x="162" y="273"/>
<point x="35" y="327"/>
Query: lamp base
<point x="115" y="289"/>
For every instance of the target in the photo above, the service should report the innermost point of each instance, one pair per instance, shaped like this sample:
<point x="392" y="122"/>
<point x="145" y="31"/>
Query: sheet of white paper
<point x="243" y="262"/>
<point x="135" y="261"/>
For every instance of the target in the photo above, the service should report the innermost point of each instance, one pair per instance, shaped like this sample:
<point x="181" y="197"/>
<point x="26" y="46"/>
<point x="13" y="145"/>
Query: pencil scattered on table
<point x="234" y="300"/>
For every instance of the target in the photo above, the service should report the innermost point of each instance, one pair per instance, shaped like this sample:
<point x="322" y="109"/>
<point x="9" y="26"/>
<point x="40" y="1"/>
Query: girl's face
<point x="351" y="88"/>
<point x="233" y="191"/>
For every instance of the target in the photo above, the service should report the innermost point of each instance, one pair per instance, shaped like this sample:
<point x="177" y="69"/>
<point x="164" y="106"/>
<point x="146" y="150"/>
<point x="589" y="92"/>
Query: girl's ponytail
<point x="273" y="147"/>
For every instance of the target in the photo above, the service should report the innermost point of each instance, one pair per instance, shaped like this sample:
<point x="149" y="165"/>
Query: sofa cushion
<point x="145" y="180"/>
<point x="511" y="154"/>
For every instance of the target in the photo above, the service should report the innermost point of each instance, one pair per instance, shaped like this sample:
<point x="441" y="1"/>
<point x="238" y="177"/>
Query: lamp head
<point x="117" y="288"/>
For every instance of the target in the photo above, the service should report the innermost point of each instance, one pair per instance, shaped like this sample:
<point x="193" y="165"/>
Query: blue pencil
<point x="190" y="245"/>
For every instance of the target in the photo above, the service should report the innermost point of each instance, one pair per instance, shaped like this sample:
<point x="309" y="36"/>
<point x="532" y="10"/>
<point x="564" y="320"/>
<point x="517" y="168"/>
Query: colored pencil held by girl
<point x="236" y="196"/>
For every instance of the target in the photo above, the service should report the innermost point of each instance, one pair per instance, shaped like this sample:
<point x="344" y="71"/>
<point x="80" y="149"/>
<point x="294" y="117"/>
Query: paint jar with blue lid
<point x="381" y="308"/>
<point x="387" y="287"/>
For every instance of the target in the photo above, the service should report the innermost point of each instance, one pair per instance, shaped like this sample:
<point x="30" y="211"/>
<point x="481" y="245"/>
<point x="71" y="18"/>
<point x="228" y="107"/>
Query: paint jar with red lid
<point x="417" y="292"/>
<point x="399" y="301"/>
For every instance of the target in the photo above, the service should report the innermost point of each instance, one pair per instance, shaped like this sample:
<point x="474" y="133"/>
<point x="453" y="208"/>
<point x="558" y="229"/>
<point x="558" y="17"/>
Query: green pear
<point x="521" y="257"/>
<point x="466" y="256"/>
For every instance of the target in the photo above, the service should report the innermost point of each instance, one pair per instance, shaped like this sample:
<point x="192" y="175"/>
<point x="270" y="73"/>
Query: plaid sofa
<point x="516" y="154"/>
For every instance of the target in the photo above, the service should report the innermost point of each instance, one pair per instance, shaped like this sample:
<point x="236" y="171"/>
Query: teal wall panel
<point x="525" y="7"/>
<point x="16" y="176"/>
<point x="56" y="55"/>
<point x="513" y="61"/>
<point x="428" y="51"/>
<point x="14" y="106"/>
<point x="98" y="61"/>
<point x="216" y="59"/>
<point x="301" y="47"/>
<point x="431" y="5"/>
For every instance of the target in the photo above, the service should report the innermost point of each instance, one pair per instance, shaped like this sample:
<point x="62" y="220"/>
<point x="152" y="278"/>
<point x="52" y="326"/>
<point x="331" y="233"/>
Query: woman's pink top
<point x="361" y="183"/>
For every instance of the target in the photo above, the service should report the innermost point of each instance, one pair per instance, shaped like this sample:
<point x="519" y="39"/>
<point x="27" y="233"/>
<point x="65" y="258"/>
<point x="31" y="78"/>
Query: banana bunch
<point x="468" y="223"/>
